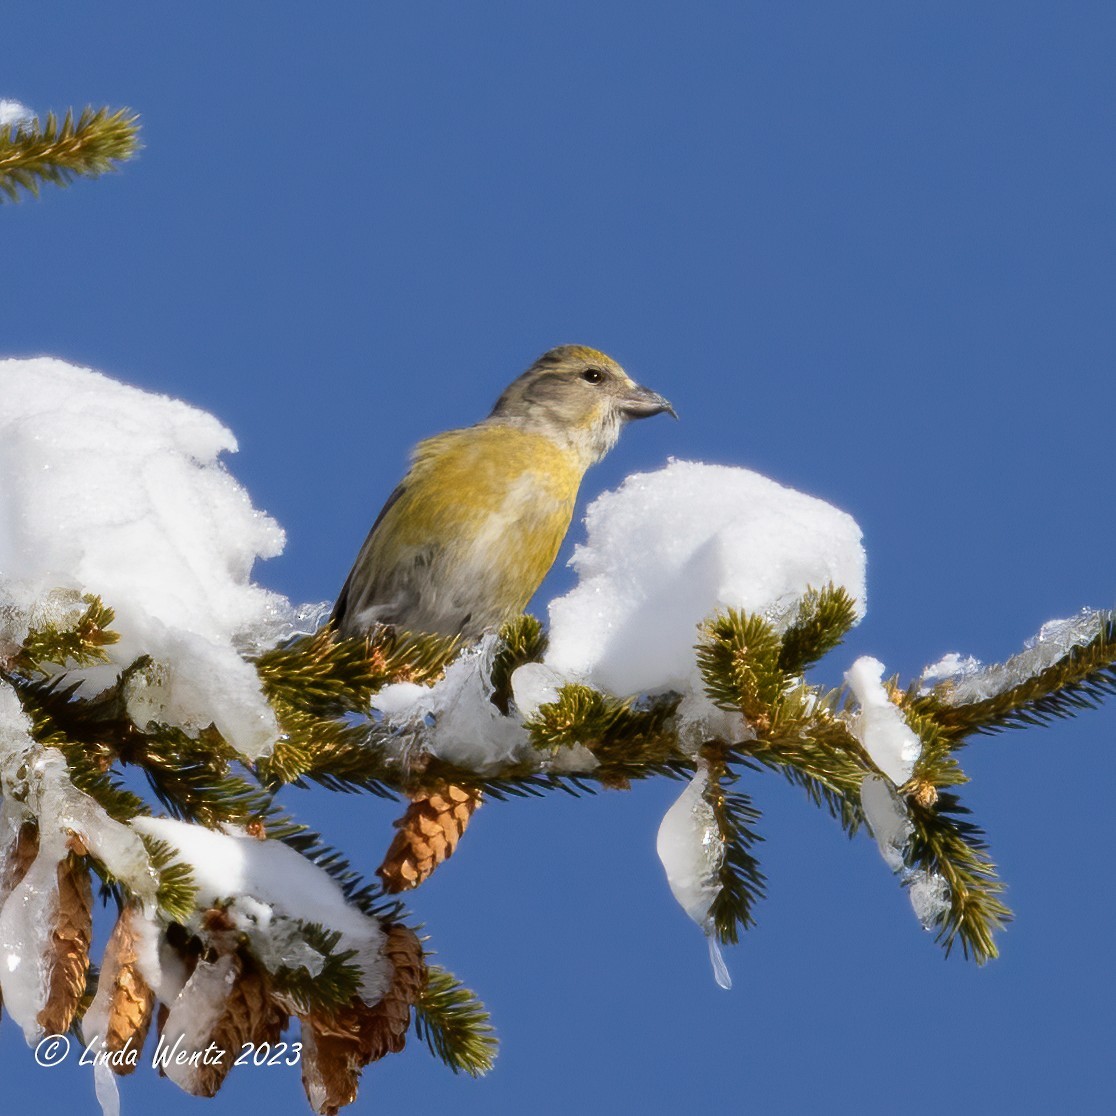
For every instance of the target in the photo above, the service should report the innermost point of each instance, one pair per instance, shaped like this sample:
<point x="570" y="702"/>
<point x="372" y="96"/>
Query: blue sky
<point x="867" y="249"/>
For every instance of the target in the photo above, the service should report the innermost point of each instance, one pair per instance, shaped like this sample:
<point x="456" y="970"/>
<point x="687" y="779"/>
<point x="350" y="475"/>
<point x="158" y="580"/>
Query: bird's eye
<point x="592" y="375"/>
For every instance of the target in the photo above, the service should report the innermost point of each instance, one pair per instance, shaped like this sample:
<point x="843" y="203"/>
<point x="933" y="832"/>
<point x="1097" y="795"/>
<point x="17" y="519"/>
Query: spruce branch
<point x="325" y="675"/>
<point x="1081" y="679"/>
<point x="454" y="1024"/>
<point x="823" y="620"/>
<point x="738" y="657"/>
<point x="803" y="737"/>
<point x="523" y="640"/>
<point x="195" y="779"/>
<point x="32" y="154"/>
<point x="81" y="643"/>
<point x="332" y="987"/>
<point x="177" y="894"/>
<point x="945" y="842"/>
<point x="741" y="882"/>
<point x="335" y="753"/>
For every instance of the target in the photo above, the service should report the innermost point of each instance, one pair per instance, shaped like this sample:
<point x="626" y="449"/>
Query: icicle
<point x="108" y="1095"/>
<point x="720" y="970"/>
<point x="691" y="850"/>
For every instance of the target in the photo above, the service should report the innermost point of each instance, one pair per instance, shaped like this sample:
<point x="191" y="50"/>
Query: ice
<point x="108" y="1094"/>
<point x="892" y="828"/>
<point x="952" y="668"/>
<point x="879" y="725"/>
<point x="28" y="910"/>
<point x="533" y="685"/>
<point x="887" y="819"/>
<point x="28" y="913"/>
<point x="455" y="718"/>
<point x="1055" y="639"/>
<point x="692" y="851"/>
<point x="271" y="885"/>
<point x="668" y="548"/>
<point x="111" y="490"/>
<point x="188" y="1031"/>
<point x="39" y="775"/>
<point x="929" y="895"/>
<point x="13" y="114"/>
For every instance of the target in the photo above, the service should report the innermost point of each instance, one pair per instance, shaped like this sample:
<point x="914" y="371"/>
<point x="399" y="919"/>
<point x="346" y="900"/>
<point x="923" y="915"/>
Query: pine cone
<point x="250" y="1016"/>
<point x="428" y="834"/>
<point x="333" y="1056"/>
<point x="67" y="957"/>
<point x="130" y="999"/>
<point x="338" y="1045"/>
<point x="390" y="1018"/>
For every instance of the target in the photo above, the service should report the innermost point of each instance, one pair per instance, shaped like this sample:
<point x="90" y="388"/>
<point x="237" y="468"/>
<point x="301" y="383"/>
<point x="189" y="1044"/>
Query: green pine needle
<point x="81" y="644"/>
<point x="945" y="842"/>
<point x="331" y="988"/>
<point x="454" y="1024"/>
<point x="523" y="640"/>
<point x="738" y="657"/>
<point x="97" y="142"/>
<point x="741" y="881"/>
<point x="824" y="618"/>
<point x="177" y="894"/>
<point x="1082" y="679"/>
<point x="325" y="675"/>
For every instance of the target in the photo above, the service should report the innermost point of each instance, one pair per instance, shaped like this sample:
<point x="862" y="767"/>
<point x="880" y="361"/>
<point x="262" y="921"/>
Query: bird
<point x="468" y="535"/>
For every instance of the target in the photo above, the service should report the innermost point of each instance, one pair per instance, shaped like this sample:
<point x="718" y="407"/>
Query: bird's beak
<point x="641" y="402"/>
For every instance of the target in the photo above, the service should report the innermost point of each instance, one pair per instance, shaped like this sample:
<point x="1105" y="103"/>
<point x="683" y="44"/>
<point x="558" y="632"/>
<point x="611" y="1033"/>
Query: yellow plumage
<point x="471" y="531"/>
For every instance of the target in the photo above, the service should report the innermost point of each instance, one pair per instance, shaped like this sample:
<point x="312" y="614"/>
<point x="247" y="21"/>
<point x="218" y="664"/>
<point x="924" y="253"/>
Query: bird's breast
<point x="483" y="512"/>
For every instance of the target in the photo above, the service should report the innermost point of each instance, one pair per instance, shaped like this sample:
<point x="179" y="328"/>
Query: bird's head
<point x="579" y="396"/>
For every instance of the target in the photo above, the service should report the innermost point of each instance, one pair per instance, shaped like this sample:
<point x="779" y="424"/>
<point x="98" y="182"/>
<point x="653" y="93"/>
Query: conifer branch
<point x="454" y="1024"/>
<point x="332" y="987"/>
<point x="1081" y="679"/>
<point x="624" y="735"/>
<point x="523" y="640"/>
<point x="177" y="895"/>
<point x="334" y="753"/>
<point x="81" y="643"/>
<point x="946" y="843"/>
<point x="823" y="620"/>
<point x="325" y="675"/>
<point x="97" y="142"/>
<point x="742" y="883"/>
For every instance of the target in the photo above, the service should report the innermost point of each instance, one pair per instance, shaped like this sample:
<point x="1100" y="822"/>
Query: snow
<point x="111" y="490"/>
<point x="879" y="725"/>
<point x="691" y="850"/>
<point x="271" y="885"/>
<point x="949" y="668"/>
<point x="455" y="718"/>
<point x="13" y="114"/>
<point x="534" y="685"/>
<point x="664" y="552"/>
<point x="668" y="548"/>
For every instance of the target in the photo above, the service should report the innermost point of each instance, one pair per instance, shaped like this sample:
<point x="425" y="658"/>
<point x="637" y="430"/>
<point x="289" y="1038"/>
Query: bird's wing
<point x="340" y="609"/>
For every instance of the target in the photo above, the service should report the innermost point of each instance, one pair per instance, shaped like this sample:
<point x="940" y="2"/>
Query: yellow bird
<point x="469" y="534"/>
